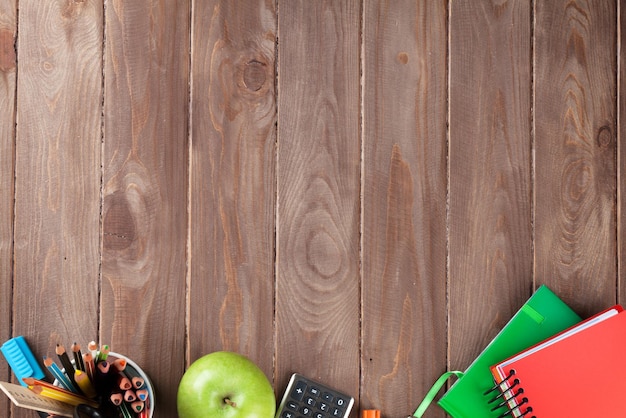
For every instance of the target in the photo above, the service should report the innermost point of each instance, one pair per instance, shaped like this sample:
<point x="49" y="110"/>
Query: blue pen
<point x="21" y="359"/>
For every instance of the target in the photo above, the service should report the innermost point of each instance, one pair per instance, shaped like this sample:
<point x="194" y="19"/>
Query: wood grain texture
<point x="490" y="240"/>
<point x="621" y="152"/>
<point x="145" y="188"/>
<point x="57" y="174"/>
<point x="317" y="295"/>
<point x="8" y="72"/>
<point x="233" y="180"/>
<point x="404" y="203"/>
<point x="361" y="191"/>
<point x="575" y="119"/>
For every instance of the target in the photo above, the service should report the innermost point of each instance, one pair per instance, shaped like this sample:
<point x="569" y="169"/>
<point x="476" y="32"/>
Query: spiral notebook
<point x="579" y="373"/>
<point x="542" y="316"/>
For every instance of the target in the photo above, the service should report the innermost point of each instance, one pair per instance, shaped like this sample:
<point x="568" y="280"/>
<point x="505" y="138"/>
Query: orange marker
<point x="370" y="413"/>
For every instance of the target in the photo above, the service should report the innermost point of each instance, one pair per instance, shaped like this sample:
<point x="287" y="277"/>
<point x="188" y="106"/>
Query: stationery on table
<point x="578" y="373"/>
<point x="25" y="398"/>
<point x="94" y="381"/>
<point x="21" y="359"/>
<point x="542" y="316"/>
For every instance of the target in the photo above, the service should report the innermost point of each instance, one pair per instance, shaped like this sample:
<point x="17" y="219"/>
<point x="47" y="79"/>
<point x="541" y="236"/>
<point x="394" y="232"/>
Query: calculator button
<point x="309" y="401"/>
<point x="336" y="412"/>
<point x="340" y="402"/>
<point x="318" y="415"/>
<point x="298" y="390"/>
<point x="306" y="411"/>
<point x="323" y="407"/>
<point x="315" y="391"/>
<point x="292" y="405"/>
<point x="288" y="414"/>
<point x="328" y="397"/>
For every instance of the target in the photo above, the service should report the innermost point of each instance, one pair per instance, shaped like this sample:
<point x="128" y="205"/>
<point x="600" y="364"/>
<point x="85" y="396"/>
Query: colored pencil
<point x="65" y="361"/>
<point x="134" y="377"/>
<point x="31" y="381"/>
<point x="58" y="374"/>
<point x="103" y="354"/>
<point x="85" y="384"/>
<point x="78" y="357"/>
<point x="125" y="411"/>
<point x="129" y="396"/>
<point x="123" y="383"/>
<point x="89" y="364"/>
<point x="62" y="395"/>
<point x="93" y="348"/>
<point x="104" y="367"/>
<point x="117" y="398"/>
<point x="142" y="394"/>
<point x="119" y="364"/>
<point x="137" y="406"/>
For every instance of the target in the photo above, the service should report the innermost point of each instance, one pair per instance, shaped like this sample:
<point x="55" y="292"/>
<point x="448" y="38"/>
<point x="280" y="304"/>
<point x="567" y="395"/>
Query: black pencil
<point x="67" y="364"/>
<point x="78" y="357"/>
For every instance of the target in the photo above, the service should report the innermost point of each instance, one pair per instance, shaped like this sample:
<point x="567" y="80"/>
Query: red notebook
<point x="579" y="373"/>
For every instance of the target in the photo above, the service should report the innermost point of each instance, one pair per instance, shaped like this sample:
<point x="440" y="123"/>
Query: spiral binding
<point x="507" y="390"/>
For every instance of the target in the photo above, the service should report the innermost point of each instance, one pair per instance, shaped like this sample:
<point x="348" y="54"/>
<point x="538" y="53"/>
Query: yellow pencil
<point x="83" y="382"/>
<point x="62" y="395"/>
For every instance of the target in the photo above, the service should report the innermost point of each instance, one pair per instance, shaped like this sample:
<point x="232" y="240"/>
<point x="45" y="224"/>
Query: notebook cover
<point x="542" y="316"/>
<point x="579" y="376"/>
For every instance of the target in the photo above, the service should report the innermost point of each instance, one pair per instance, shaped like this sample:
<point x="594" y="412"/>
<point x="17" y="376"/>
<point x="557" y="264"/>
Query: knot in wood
<point x="254" y="75"/>
<point x="604" y="138"/>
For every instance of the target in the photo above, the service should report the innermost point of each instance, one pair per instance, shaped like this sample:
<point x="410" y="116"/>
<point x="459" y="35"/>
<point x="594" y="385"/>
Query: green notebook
<point x="542" y="316"/>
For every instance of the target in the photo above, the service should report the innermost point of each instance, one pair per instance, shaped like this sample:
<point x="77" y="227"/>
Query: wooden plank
<point x="145" y="188"/>
<point x="490" y="240"/>
<point x="575" y="151"/>
<point x="8" y="72"/>
<point x="233" y="180"/>
<point x="621" y="153"/>
<point x="57" y="172"/>
<point x="317" y="295"/>
<point x="404" y="203"/>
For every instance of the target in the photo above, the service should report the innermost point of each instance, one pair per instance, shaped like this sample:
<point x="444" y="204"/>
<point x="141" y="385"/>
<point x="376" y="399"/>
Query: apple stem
<point x="230" y="403"/>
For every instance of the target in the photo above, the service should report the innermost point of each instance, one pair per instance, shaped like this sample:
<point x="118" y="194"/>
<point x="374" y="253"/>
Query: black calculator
<point x="305" y="398"/>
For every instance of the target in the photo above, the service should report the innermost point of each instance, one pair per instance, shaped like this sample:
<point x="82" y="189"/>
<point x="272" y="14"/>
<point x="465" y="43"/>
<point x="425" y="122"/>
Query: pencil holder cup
<point x="150" y="403"/>
<point x="132" y="369"/>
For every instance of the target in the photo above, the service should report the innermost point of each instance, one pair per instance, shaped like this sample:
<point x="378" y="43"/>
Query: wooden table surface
<point x="360" y="191"/>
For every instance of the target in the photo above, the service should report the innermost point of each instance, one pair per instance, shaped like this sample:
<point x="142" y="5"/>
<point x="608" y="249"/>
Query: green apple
<point x="224" y="384"/>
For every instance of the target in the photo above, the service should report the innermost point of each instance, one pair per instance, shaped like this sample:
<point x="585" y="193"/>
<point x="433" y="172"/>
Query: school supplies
<point x="542" y="316"/>
<point x="91" y="382"/>
<point x="24" y="398"/>
<point x="21" y="359"/>
<point x="578" y="373"/>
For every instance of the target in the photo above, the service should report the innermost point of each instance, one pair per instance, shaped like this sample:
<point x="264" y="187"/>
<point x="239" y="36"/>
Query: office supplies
<point x="543" y="315"/>
<point x="45" y="397"/>
<point x="305" y="397"/>
<point x="370" y="413"/>
<point x="25" y="398"/>
<point x="61" y="395"/>
<point x="21" y="359"/>
<point x="78" y="357"/>
<point x="58" y="374"/>
<point x="577" y="373"/>
<point x="85" y="384"/>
